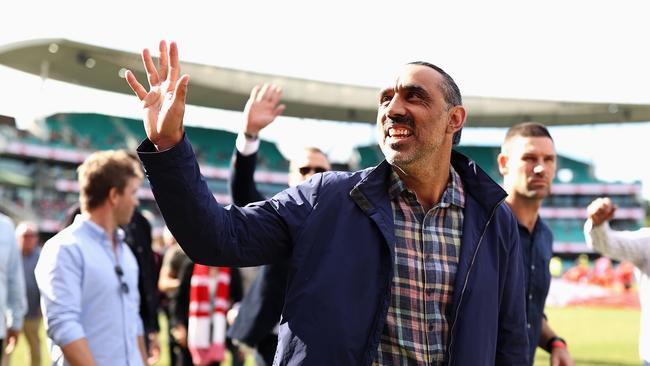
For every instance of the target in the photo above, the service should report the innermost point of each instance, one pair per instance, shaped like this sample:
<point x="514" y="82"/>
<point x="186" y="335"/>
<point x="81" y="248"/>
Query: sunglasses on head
<point x="311" y="169"/>
<point x="123" y="286"/>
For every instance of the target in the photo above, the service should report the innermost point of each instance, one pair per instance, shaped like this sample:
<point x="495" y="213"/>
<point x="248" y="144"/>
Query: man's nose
<point x="395" y="107"/>
<point x="539" y="168"/>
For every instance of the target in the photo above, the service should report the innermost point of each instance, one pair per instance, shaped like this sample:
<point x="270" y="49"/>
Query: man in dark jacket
<point x="415" y="261"/>
<point x="527" y="162"/>
<point x="260" y="310"/>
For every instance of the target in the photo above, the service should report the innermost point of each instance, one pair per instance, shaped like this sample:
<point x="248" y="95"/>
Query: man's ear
<point x="112" y="195"/>
<point x="502" y="160"/>
<point x="457" y="116"/>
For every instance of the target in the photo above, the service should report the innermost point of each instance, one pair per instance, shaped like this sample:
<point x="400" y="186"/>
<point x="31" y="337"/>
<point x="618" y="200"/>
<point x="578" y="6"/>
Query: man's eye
<point x="385" y="99"/>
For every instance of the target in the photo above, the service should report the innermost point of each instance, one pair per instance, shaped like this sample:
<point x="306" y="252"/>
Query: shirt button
<point x="431" y="327"/>
<point x="530" y="296"/>
<point x="532" y="267"/>
<point x="429" y="291"/>
<point x="528" y="325"/>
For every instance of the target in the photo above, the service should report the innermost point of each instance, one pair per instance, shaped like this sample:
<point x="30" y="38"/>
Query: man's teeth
<point x="398" y="132"/>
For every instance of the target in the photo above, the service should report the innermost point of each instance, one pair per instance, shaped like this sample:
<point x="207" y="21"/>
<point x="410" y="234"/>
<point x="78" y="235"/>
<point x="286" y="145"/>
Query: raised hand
<point x="262" y="108"/>
<point x="164" y="103"/>
<point x="601" y="210"/>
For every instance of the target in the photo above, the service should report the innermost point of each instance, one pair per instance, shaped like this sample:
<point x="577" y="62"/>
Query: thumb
<point x="180" y="92"/>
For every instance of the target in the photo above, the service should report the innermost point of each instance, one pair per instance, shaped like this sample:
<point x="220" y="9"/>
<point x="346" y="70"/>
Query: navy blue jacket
<point x="261" y="307"/>
<point x="337" y="229"/>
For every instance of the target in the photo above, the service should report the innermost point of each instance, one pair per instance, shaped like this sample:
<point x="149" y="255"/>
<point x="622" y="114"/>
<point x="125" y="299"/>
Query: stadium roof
<point x="225" y="88"/>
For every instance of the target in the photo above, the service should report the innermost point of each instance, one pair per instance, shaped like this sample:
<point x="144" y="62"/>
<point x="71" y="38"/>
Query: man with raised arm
<point x="632" y="246"/>
<point x="415" y="261"/>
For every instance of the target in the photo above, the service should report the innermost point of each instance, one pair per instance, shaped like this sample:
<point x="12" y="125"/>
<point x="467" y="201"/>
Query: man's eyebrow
<point x="385" y="91"/>
<point x="411" y="88"/>
<point x="415" y="89"/>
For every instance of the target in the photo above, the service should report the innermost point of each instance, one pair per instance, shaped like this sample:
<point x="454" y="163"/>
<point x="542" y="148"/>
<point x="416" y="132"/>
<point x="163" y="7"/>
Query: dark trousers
<point x="266" y="348"/>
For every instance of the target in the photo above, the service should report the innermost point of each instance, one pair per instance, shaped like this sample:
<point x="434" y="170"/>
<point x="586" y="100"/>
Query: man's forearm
<point x="77" y="353"/>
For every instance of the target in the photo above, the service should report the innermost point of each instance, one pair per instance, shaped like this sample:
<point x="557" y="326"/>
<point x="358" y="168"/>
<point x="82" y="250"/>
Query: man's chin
<point x="539" y="194"/>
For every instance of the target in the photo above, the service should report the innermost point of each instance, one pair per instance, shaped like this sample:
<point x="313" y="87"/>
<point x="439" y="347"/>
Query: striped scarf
<point x="206" y="329"/>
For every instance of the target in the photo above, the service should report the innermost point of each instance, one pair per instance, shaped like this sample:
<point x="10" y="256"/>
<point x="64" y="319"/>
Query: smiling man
<point x="415" y="261"/>
<point x="528" y="162"/>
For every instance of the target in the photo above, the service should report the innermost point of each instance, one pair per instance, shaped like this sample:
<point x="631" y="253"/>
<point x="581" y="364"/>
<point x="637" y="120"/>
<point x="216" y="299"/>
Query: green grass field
<point x="596" y="337"/>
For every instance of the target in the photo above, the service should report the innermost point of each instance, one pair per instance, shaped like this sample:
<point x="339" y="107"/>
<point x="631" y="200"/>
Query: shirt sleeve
<point x="16" y="293"/>
<point x="245" y="146"/>
<point x="58" y="275"/>
<point x="632" y="246"/>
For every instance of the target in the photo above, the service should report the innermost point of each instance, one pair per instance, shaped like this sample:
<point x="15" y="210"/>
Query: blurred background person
<point x="13" y="303"/>
<point x="88" y="276"/>
<point x="138" y="237"/>
<point x="176" y="267"/>
<point x="632" y="246"/>
<point x="199" y="297"/>
<point x="27" y="237"/>
<point x="259" y="313"/>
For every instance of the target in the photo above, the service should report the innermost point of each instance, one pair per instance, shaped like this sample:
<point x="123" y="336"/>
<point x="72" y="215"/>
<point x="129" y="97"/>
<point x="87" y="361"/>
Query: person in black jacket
<point x="260" y="310"/>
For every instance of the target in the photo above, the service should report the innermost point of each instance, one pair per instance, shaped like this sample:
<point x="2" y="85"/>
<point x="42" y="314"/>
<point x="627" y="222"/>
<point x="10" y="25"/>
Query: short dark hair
<point x="450" y="91"/>
<point x="527" y="129"/>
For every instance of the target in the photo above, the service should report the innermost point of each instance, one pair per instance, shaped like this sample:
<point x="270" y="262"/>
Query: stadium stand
<point x="38" y="170"/>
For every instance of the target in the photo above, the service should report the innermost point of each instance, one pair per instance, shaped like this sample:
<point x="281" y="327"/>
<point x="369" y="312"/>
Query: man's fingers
<point x="276" y="94"/>
<point x="152" y="73"/>
<point x="137" y="88"/>
<point x="279" y="110"/>
<point x="262" y="95"/>
<point x="254" y="92"/>
<point x="163" y="62"/>
<point x="11" y="345"/>
<point x="174" y="66"/>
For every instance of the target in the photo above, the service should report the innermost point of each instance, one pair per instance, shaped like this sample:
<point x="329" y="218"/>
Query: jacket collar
<point x="371" y="192"/>
<point x="477" y="183"/>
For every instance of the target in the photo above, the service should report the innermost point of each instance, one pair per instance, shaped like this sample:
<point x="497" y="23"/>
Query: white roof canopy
<point x="224" y="88"/>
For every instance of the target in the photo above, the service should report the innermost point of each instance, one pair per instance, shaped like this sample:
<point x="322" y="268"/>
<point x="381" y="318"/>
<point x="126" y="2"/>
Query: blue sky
<point x="556" y="50"/>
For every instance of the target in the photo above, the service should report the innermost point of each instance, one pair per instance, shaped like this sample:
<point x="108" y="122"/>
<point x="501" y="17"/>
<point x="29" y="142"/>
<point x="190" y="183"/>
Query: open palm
<point x="262" y="107"/>
<point x="164" y="103"/>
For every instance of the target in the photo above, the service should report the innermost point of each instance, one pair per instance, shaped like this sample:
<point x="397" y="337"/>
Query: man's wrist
<point x="245" y="145"/>
<point x="555" y="342"/>
<point x="250" y="136"/>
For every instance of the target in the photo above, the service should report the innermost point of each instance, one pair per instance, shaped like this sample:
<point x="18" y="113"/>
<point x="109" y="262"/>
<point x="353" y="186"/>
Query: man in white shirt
<point x="632" y="246"/>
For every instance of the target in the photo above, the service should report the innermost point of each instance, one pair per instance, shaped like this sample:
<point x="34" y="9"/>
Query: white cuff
<point x="245" y="146"/>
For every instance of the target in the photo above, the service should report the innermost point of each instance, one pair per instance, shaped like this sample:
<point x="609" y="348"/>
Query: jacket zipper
<point x="460" y="300"/>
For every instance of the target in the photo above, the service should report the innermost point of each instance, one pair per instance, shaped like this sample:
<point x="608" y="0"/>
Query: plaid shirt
<point x="416" y="331"/>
